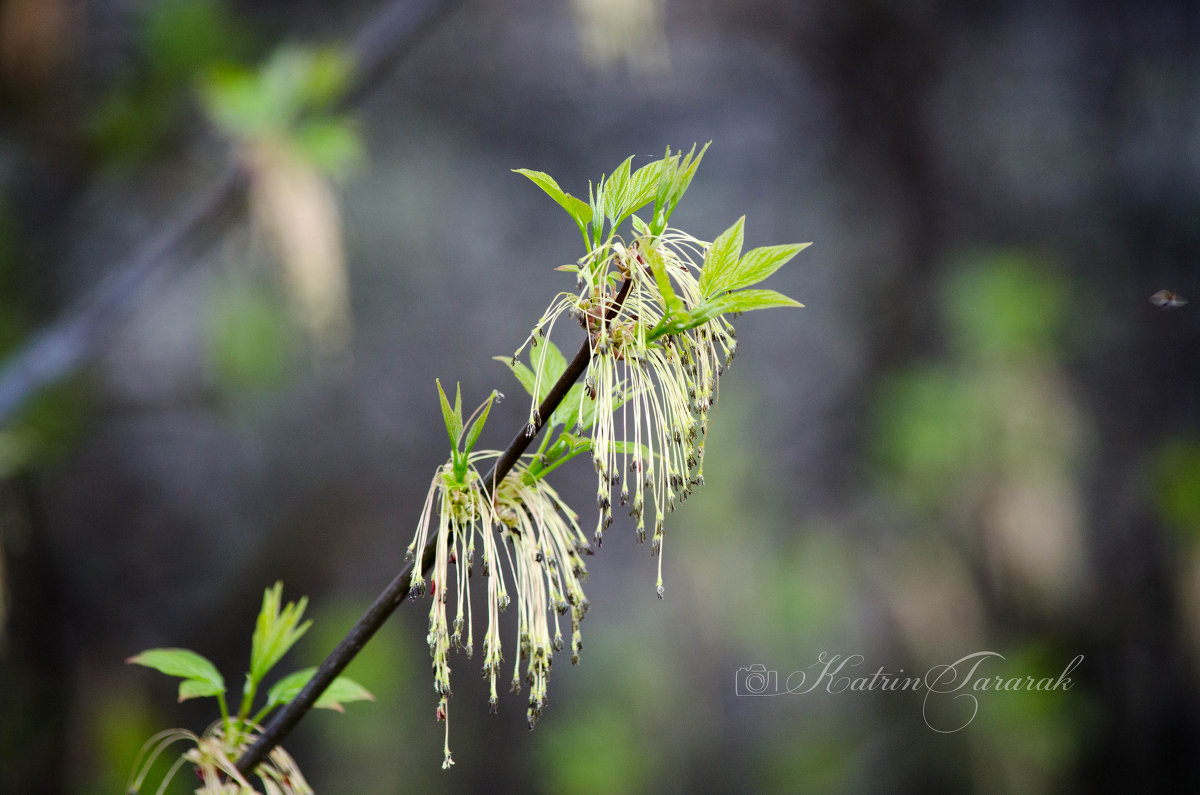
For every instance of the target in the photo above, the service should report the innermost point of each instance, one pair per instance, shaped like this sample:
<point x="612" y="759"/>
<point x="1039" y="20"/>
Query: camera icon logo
<point x="756" y="680"/>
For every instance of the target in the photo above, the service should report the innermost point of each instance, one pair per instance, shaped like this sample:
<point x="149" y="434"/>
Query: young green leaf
<point x="275" y="632"/>
<point x="477" y="426"/>
<point x="587" y="411"/>
<point x="567" y="412"/>
<point x="687" y="170"/>
<point x="451" y="416"/>
<point x="722" y="260"/>
<point x="742" y="301"/>
<point x="759" y="263"/>
<point x="201" y="677"/>
<point x="576" y="208"/>
<point x="616" y="193"/>
<point x="596" y="205"/>
<point x="521" y="371"/>
<point x="551" y="364"/>
<point x="674" y="178"/>
<point x="643" y="185"/>
<point x="199" y="688"/>
<point x="577" y="411"/>
<point x="635" y="449"/>
<point x="671" y="303"/>
<point x="340" y="690"/>
<point x="749" y="300"/>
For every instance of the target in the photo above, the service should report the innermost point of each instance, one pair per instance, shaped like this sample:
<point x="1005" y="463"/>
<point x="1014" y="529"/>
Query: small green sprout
<point x="214" y="754"/>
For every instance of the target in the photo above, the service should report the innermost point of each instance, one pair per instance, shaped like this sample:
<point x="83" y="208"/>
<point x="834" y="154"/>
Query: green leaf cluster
<point x="200" y="677"/>
<point x="292" y="96"/>
<point x="723" y="277"/>
<point x="616" y="197"/>
<point x="461" y="444"/>
<point x="177" y="40"/>
<point x="674" y="177"/>
<point x="340" y="690"/>
<point x="725" y="273"/>
<point x="276" y="630"/>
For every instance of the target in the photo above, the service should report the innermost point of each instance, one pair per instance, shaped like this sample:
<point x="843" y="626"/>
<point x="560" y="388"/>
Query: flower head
<point x="213" y="754"/>
<point x="651" y="381"/>
<point x="655" y="385"/>
<point x="525" y="536"/>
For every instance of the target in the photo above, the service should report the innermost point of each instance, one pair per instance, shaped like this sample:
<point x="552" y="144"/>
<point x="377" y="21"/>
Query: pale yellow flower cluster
<point x="653" y="388"/>
<point x="527" y="537"/>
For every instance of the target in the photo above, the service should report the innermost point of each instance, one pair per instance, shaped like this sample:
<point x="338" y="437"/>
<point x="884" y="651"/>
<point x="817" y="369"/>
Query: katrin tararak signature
<point x="959" y="680"/>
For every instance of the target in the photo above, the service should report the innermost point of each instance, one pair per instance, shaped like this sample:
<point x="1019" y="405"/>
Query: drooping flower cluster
<point x="653" y="386"/>
<point x="526" y="535"/>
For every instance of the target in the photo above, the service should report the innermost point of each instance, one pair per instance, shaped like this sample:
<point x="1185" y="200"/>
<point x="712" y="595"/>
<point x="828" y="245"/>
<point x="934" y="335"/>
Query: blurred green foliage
<point x="47" y="427"/>
<point x="984" y="441"/>
<point x="821" y="753"/>
<point x="595" y="749"/>
<point x="985" y="407"/>
<point x="292" y="96"/>
<point x="183" y="36"/>
<point x="1029" y="737"/>
<point x="180" y="39"/>
<point x="118" y="726"/>
<point x="928" y="428"/>
<point x="1176" y="487"/>
<point x="1004" y="305"/>
<point x="250" y="343"/>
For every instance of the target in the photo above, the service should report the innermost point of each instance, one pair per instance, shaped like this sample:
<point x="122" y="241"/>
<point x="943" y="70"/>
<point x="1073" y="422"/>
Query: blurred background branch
<point x="60" y="349"/>
<point x="63" y="347"/>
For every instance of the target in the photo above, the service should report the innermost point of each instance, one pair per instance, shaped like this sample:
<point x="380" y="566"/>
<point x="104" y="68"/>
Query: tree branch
<point x="397" y="590"/>
<point x="60" y="349"/>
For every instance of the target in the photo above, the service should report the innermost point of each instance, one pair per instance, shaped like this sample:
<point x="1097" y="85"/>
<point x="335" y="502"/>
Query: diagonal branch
<point x="66" y="345"/>
<point x="60" y="349"/>
<point x="397" y="590"/>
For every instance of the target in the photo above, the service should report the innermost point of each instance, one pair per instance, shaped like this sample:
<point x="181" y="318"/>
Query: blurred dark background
<point x="979" y="434"/>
